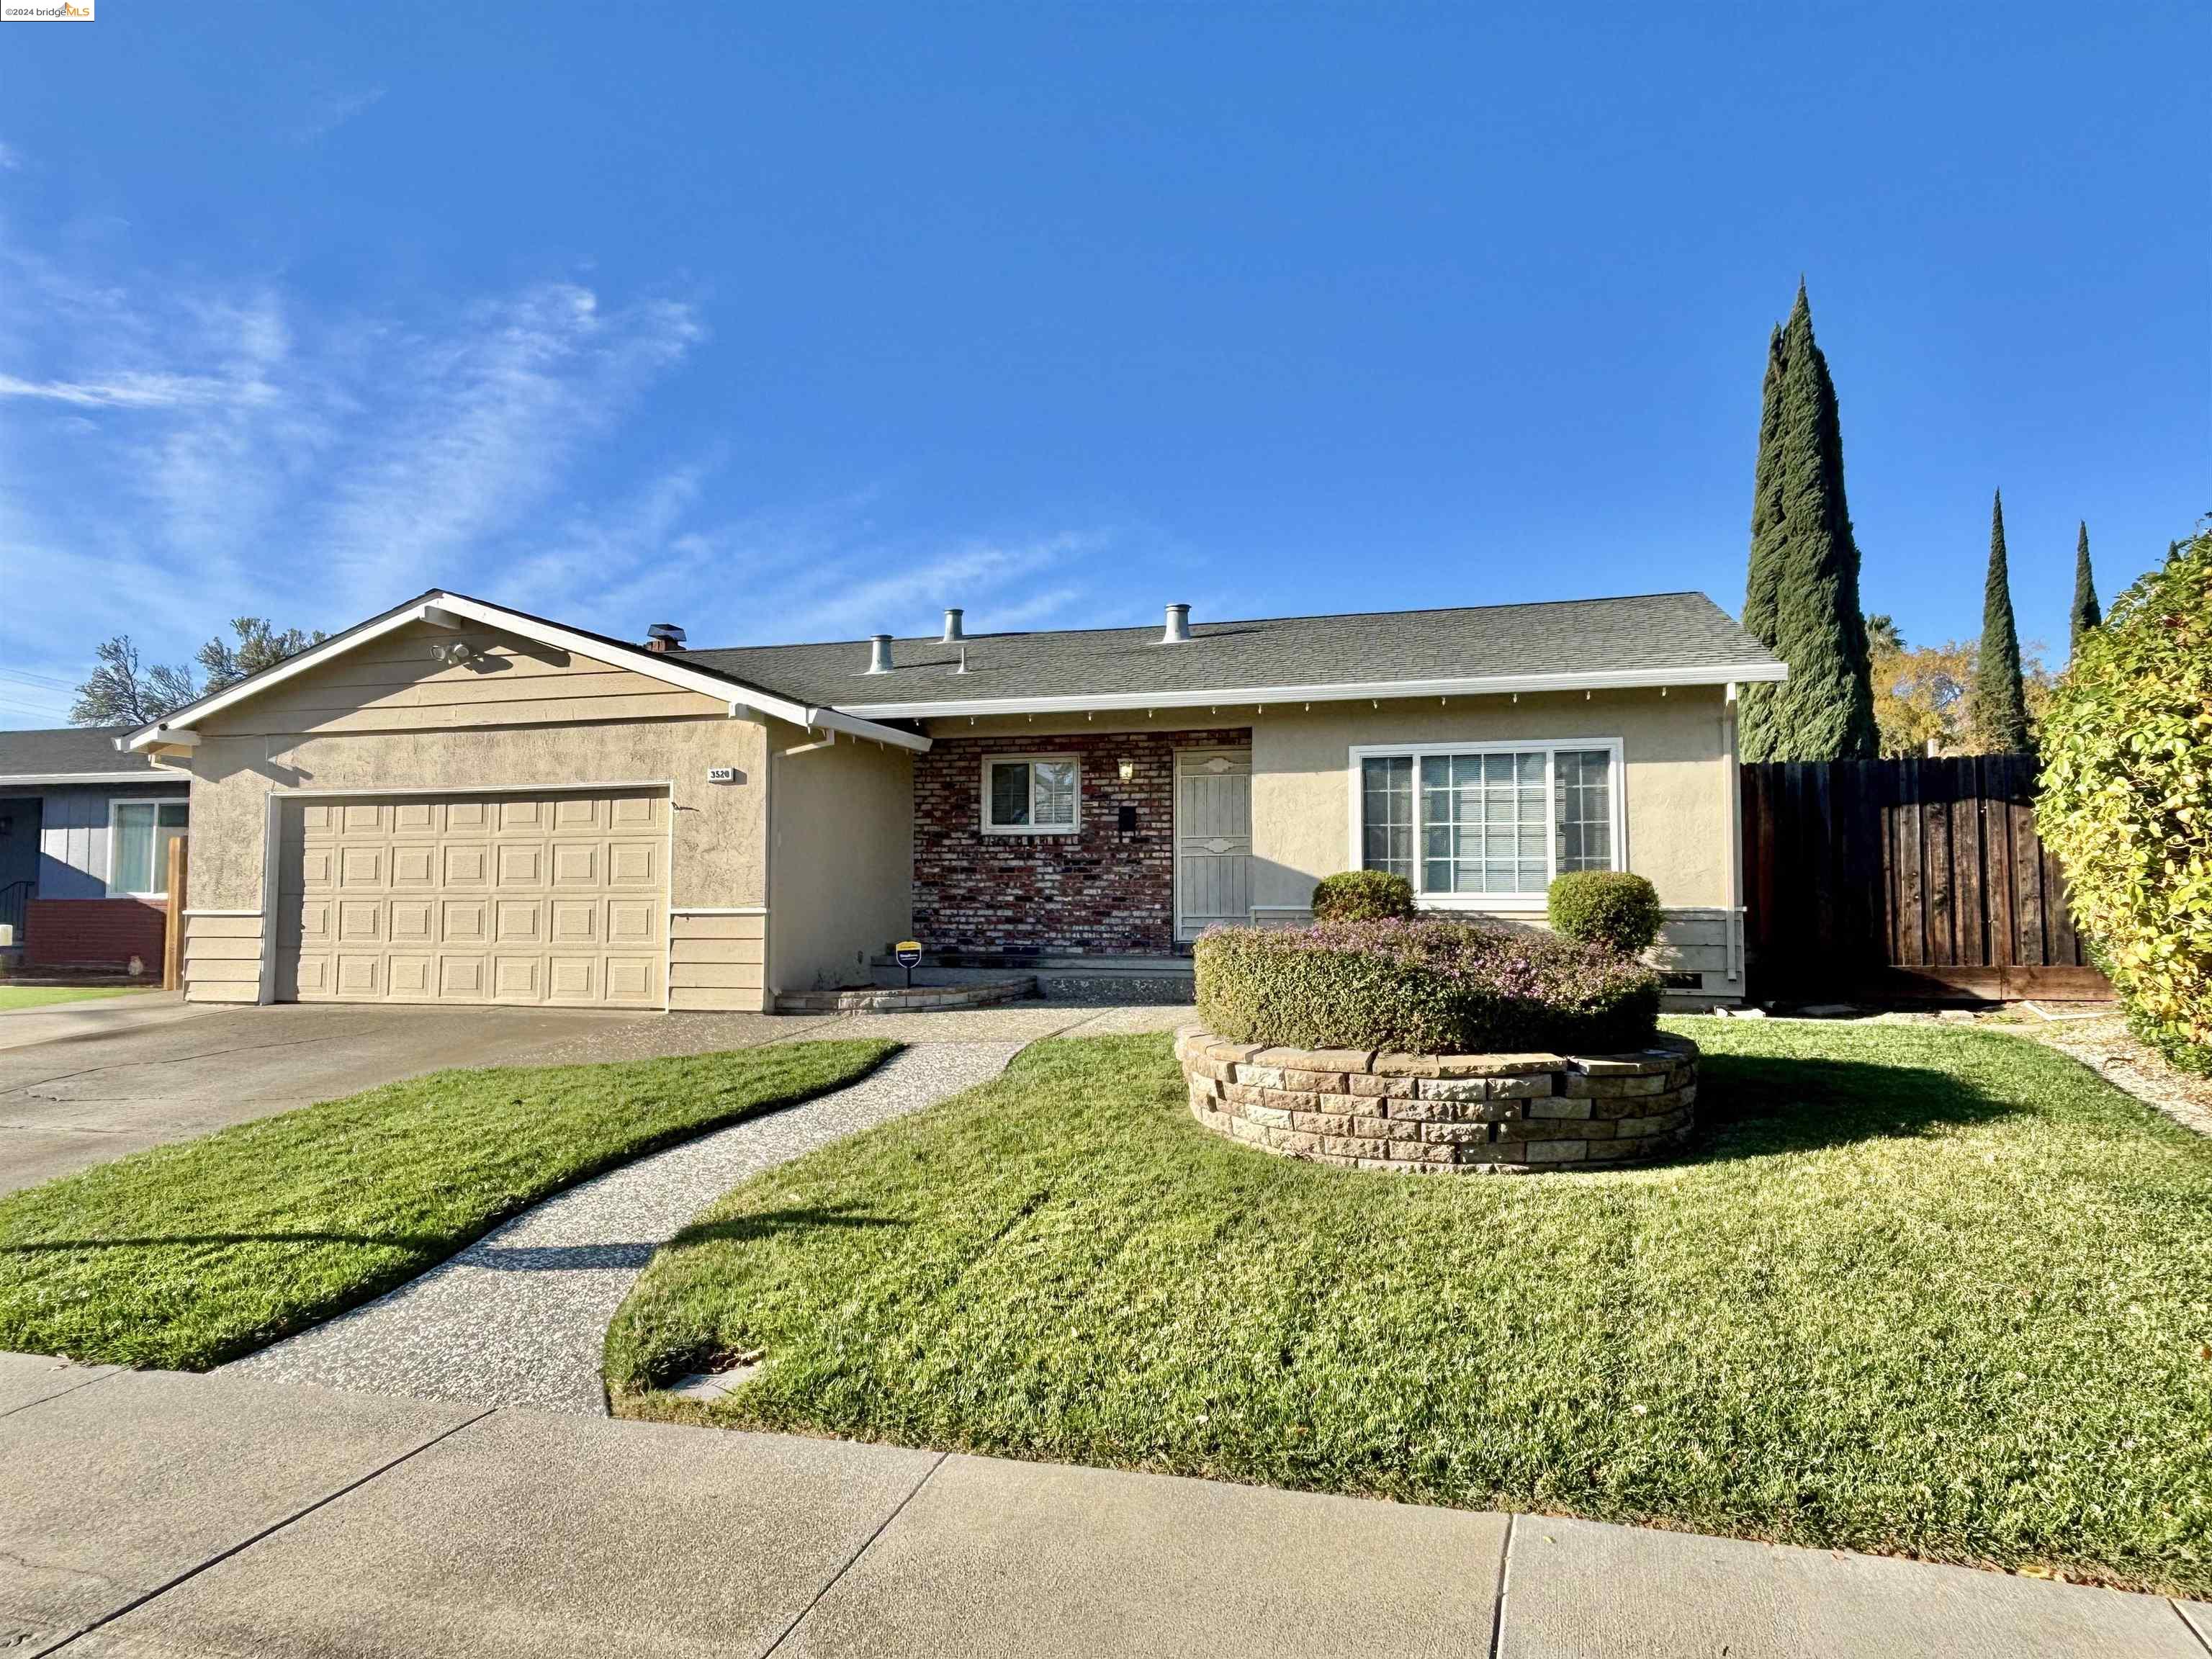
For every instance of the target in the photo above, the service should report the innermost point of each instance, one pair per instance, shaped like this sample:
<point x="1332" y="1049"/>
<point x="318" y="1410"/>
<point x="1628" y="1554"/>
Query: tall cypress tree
<point x="2000" y="700"/>
<point x="2087" y="614"/>
<point x="1803" y="597"/>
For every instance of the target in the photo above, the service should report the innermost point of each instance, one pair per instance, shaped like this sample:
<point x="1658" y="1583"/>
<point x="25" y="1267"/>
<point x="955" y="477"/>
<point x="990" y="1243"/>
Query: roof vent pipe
<point x="1178" y="625"/>
<point x="879" y="653"/>
<point x="952" y="625"/>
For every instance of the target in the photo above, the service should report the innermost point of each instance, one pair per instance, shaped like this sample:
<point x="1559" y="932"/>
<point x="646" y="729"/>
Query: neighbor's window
<point x="1474" y="824"/>
<point x="1030" y="797"/>
<point x="139" y="834"/>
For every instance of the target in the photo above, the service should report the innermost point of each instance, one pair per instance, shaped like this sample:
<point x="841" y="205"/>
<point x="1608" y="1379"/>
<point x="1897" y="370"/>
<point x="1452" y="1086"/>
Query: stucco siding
<point x="583" y="731"/>
<point x="1673" y="747"/>
<point x="841" y="867"/>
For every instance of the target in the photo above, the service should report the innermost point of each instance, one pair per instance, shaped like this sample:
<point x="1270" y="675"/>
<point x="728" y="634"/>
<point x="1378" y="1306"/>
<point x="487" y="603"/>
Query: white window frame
<point x="1505" y="904"/>
<point x="115" y="840"/>
<point x="1073" y="826"/>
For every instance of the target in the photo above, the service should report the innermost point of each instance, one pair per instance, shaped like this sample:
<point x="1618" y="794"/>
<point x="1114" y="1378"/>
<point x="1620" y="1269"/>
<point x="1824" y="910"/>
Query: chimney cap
<point x="1178" y="628"/>
<point x="664" y="636"/>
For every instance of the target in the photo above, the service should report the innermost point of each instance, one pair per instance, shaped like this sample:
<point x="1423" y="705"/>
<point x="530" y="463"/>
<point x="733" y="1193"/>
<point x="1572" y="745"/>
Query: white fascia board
<point x="1487" y="685"/>
<point x="63" y="779"/>
<point x="443" y="610"/>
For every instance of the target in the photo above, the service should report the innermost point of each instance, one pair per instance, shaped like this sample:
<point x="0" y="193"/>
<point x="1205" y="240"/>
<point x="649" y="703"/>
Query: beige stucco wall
<point x="841" y="868"/>
<point x="1674" y="750"/>
<point x="394" y="717"/>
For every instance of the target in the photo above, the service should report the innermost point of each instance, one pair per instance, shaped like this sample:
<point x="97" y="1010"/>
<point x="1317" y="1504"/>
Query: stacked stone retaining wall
<point x="1448" y="1113"/>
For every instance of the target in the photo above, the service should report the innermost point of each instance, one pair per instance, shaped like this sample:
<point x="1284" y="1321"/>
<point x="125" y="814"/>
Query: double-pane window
<point x="1030" y="797"/>
<point x="1468" y="824"/>
<point x="140" y="832"/>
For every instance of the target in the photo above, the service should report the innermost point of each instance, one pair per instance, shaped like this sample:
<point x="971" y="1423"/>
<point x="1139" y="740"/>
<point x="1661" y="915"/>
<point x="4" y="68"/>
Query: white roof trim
<point x="56" y="778"/>
<point x="444" y="606"/>
<point x="1484" y="685"/>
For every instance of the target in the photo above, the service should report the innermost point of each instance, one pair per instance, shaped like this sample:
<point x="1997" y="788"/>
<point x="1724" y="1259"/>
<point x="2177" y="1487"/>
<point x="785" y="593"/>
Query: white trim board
<point x="441" y="609"/>
<point x="1359" y="691"/>
<point x="64" y="779"/>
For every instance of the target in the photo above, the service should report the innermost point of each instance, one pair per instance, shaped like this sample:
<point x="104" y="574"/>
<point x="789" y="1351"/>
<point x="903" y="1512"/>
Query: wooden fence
<point x="1904" y="879"/>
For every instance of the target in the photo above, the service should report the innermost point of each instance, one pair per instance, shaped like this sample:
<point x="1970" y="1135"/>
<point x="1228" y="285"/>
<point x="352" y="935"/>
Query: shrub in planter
<point x="2126" y="800"/>
<point x="1607" y="907"/>
<point x="1425" y="987"/>
<point x="1362" y="895"/>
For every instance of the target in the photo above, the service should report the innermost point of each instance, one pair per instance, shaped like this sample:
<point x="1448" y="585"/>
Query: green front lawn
<point x="184" y="1256"/>
<point x="1918" y="1289"/>
<point x="12" y="997"/>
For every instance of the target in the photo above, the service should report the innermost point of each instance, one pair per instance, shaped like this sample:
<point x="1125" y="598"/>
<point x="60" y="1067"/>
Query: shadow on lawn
<point x="507" y="1258"/>
<point x="1752" y="1107"/>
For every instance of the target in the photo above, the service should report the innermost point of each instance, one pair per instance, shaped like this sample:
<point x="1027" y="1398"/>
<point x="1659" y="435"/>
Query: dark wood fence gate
<point x="1905" y="878"/>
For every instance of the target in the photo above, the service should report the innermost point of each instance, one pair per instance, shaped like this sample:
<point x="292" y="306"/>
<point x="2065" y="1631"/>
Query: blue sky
<point x="801" y="322"/>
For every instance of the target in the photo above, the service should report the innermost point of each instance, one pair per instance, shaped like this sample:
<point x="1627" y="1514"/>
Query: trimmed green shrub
<point x="1607" y="907"/>
<point x="1362" y="895"/>
<point x="2127" y="800"/>
<point x="1425" y="987"/>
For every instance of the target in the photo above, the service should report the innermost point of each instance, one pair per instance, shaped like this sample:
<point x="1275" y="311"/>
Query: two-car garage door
<point x="532" y="899"/>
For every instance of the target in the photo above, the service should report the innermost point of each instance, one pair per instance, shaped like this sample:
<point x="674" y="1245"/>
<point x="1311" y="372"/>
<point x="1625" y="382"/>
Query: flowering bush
<point x="1423" y="987"/>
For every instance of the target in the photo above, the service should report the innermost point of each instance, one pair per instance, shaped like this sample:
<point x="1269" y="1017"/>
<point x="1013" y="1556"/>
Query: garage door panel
<point x="517" y="921"/>
<point x="414" y="865"/>
<point x="519" y="899"/>
<point x="633" y="864"/>
<point x="517" y="864"/>
<point x="575" y="922"/>
<point x="362" y="866"/>
<point x="467" y="864"/>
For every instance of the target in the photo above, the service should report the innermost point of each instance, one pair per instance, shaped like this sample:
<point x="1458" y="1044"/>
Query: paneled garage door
<point x="553" y="899"/>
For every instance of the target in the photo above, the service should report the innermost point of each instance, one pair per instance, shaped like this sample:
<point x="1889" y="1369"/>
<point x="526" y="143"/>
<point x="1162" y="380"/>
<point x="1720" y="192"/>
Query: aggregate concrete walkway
<point x="519" y="1317"/>
<point x="165" y="1516"/>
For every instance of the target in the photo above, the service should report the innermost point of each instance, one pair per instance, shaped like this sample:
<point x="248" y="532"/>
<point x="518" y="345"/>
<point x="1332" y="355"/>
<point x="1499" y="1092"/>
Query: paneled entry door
<point x="1213" y="839"/>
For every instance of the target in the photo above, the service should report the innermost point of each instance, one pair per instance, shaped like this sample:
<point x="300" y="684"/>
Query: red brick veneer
<point x="94" y="932"/>
<point x="1102" y="891"/>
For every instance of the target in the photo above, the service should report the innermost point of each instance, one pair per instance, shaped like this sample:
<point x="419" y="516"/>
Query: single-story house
<point x="455" y="801"/>
<point x="84" y="834"/>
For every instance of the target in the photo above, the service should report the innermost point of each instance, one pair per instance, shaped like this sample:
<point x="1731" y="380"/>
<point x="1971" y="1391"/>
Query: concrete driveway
<point x="88" y="1082"/>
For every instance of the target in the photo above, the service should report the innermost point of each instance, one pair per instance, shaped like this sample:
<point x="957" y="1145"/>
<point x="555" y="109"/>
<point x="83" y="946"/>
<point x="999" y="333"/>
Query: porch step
<point x="1111" y="980"/>
<point x="903" y="999"/>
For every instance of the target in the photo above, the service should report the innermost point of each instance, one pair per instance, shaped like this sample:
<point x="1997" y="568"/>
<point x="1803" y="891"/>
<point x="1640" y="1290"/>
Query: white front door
<point x="1213" y="839"/>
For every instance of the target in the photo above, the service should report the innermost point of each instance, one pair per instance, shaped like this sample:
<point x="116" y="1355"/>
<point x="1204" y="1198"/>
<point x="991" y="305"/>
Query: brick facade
<point x="94" y="932"/>
<point x="1102" y="891"/>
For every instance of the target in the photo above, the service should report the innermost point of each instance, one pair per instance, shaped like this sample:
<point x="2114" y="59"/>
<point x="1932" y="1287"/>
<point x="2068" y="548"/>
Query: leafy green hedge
<point x="1362" y="895"/>
<point x="1427" y="986"/>
<point x="2127" y="800"/>
<point x="1610" y="907"/>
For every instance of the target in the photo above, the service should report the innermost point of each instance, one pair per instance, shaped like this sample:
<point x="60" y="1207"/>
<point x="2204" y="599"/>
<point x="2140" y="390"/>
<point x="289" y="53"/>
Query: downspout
<point x="1734" y="927"/>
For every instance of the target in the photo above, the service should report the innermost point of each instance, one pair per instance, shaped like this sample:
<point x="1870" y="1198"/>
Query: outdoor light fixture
<point x="1127" y="769"/>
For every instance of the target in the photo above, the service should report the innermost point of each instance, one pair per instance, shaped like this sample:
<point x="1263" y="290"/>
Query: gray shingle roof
<point x="1647" y="633"/>
<point x="69" y="751"/>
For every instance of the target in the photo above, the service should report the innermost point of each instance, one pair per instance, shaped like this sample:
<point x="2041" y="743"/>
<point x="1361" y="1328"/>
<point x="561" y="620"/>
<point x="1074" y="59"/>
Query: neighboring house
<point x="455" y="801"/>
<point x="84" y="834"/>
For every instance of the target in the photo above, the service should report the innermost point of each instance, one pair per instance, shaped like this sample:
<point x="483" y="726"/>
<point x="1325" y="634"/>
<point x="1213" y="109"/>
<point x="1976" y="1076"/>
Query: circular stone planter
<point x="1453" y="1114"/>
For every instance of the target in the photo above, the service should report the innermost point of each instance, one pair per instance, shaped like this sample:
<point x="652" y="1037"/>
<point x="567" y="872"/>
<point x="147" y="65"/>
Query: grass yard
<point x="184" y="1256"/>
<point x="12" y="997"/>
<point x="1918" y="1290"/>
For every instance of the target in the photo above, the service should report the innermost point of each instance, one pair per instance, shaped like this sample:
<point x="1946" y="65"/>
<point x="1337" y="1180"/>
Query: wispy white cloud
<point x="334" y="112"/>
<point x="10" y="158"/>
<point x="176" y="449"/>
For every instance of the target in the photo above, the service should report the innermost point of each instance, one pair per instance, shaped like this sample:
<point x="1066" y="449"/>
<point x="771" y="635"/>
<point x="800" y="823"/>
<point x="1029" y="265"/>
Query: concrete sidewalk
<point x="153" y="1514"/>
